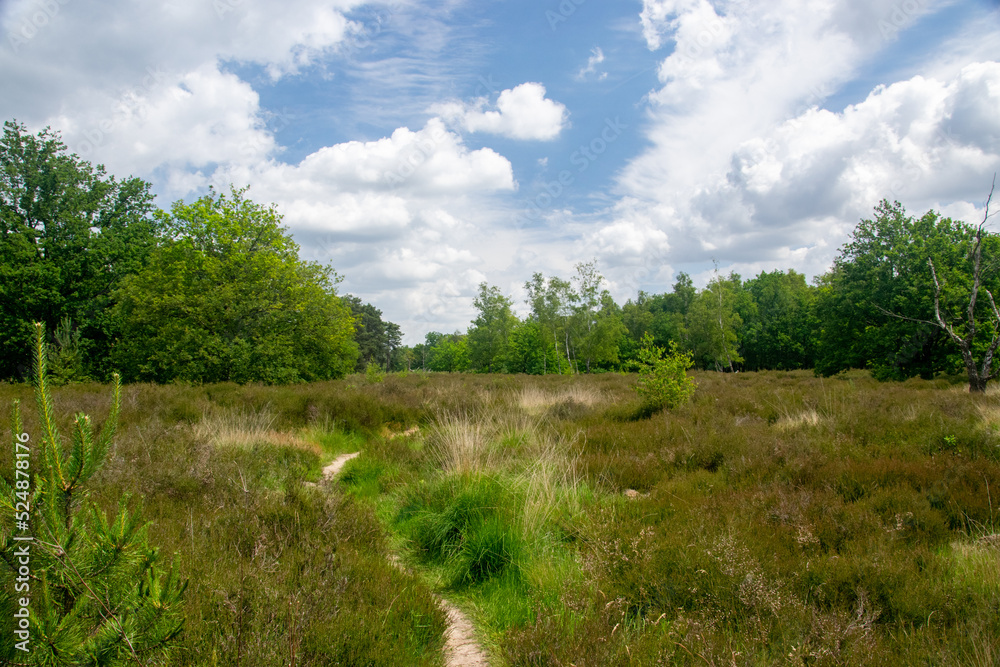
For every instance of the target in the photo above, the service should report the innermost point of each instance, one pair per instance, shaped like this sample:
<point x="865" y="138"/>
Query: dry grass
<point x="990" y="412"/>
<point x="246" y="428"/>
<point x="798" y="420"/>
<point x="535" y="400"/>
<point x="461" y="443"/>
<point x="482" y="440"/>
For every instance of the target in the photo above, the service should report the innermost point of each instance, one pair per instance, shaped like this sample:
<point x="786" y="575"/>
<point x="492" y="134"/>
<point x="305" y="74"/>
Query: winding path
<point x="461" y="648"/>
<point x="330" y="471"/>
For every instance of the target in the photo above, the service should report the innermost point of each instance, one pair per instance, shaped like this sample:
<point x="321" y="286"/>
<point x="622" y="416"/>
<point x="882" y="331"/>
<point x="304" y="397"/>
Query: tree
<point x="97" y="594"/>
<point x="490" y="331"/>
<point x="714" y="323"/>
<point x="882" y="306"/>
<point x="598" y="321"/>
<point x="551" y="304"/>
<point x="393" y="341"/>
<point x="377" y="339"/>
<point x="68" y="235"/>
<point x="779" y="332"/>
<point x="449" y="353"/>
<point x="226" y="298"/>
<point x="528" y="348"/>
<point x="663" y="380"/>
<point x="962" y="329"/>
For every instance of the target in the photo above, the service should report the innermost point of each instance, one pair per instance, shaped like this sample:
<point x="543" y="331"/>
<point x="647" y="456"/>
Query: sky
<point x="422" y="148"/>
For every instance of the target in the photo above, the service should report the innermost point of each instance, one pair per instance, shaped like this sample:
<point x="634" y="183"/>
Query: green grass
<point x="777" y="518"/>
<point x="276" y="569"/>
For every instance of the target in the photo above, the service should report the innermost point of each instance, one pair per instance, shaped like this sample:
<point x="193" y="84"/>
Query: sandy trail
<point x="330" y="471"/>
<point x="461" y="648"/>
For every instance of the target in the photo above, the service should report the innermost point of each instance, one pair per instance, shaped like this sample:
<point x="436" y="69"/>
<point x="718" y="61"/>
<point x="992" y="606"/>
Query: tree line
<point x="215" y="290"/>
<point x="907" y="296"/>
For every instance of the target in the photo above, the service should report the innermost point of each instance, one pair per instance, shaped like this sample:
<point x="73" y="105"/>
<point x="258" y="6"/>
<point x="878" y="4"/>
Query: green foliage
<point x="597" y="320"/>
<point x="489" y="334"/>
<point x="779" y="333"/>
<point x="227" y="298"/>
<point x="529" y="350"/>
<point x="68" y="235"/>
<point x="714" y="323"/>
<point x="446" y="352"/>
<point x="464" y="524"/>
<point x="663" y="380"/>
<point x="65" y="358"/>
<point x="884" y="269"/>
<point x="374" y="373"/>
<point x="100" y="597"/>
<point x="378" y="341"/>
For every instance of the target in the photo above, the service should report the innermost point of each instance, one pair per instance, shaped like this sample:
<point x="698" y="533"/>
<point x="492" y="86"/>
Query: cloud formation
<point x="522" y="112"/>
<point x="746" y="166"/>
<point x="595" y="59"/>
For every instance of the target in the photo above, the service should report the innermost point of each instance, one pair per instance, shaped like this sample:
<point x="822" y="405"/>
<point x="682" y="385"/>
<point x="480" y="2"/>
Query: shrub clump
<point x="465" y="525"/>
<point x="663" y="379"/>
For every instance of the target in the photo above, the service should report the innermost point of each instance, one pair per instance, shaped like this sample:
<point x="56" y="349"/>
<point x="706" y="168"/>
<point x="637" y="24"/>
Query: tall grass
<point x="781" y="518"/>
<point x="278" y="573"/>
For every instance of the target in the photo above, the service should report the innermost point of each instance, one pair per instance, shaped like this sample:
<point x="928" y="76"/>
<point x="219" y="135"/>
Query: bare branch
<point x="904" y="317"/>
<point x="993" y="305"/>
<point x="937" y="307"/>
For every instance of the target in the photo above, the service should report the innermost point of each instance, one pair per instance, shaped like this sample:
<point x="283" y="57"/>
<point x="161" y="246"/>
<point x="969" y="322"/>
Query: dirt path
<point x="330" y="471"/>
<point x="461" y="648"/>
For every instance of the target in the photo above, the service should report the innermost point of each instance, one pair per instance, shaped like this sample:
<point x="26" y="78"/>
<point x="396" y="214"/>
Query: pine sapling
<point x="98" y="595"/>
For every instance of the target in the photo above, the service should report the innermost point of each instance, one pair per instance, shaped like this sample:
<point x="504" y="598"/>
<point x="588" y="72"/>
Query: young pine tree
<point x="97" y="594"/>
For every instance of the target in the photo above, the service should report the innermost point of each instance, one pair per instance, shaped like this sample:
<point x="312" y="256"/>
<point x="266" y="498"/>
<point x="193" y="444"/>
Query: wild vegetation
<point x="775" y="518"/>
<point x="582" y="515"/>
<point x="215" y="290"/>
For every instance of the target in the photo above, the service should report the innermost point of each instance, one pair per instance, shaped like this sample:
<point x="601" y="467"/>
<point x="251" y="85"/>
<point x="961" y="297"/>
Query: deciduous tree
<point x="69" y="234"/>
<point x="226" y="298"/>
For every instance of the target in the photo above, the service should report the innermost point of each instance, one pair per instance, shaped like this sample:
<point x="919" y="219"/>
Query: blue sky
<point x="422" y="148"/>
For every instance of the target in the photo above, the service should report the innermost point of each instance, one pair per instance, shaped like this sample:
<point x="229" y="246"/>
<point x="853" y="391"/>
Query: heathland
<point x="775" y="518"/>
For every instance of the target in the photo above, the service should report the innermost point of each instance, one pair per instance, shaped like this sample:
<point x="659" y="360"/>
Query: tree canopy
<point x="225" y="297"/>
<point x="68" y="234"/>
<point x="215" y="290"/>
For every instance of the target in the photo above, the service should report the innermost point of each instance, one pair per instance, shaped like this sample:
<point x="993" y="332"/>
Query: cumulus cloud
<point x="153" y="91"/>
<point x="522" y="112"/>
<point x="793" y="193"/>
<point x="746" y="166"/>
<point x="400" y="216"/>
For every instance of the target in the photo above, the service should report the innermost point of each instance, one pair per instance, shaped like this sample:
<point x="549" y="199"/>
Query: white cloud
<point x="595" y="59"/>
<point x="743" y="165"/>
<point x="522" y="112"/>
<point x="178" y="122"/>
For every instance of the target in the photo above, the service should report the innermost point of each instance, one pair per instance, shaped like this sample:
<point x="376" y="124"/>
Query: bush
<point x="373" y="373"/>
<point x="663" y="381"/>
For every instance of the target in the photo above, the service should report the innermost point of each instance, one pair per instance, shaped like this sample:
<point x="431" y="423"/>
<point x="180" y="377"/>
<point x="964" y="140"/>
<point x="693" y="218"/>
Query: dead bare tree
<point x="981" y="373"/>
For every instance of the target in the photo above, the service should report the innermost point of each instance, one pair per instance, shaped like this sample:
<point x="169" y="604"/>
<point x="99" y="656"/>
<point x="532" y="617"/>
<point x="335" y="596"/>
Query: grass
<point x="777" y="518"/>
<point x="279" y="573"/>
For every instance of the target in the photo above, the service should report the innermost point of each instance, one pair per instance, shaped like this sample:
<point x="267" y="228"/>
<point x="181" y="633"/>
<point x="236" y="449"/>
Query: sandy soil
<point x="330" y="471"/>
<point x="461" y="648"/>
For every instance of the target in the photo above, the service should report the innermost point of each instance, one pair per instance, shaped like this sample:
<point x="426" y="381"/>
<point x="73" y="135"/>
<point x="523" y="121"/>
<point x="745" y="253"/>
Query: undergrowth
<point x="775" y="518"/>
